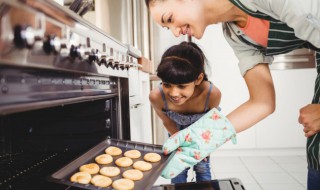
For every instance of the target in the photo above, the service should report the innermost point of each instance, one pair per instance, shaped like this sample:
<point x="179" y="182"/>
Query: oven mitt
<point x="197" y="141"/>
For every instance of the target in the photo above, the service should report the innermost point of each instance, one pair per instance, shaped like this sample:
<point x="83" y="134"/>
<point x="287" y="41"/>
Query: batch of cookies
<point x="102" y="177"/>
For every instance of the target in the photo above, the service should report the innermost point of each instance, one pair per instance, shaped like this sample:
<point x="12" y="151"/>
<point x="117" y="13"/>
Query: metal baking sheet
<point x="63" y="175"/>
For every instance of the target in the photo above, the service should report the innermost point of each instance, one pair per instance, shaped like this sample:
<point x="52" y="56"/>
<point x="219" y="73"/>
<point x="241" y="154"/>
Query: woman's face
<point x="178" y="94"/>
<point x="186" y="17"/>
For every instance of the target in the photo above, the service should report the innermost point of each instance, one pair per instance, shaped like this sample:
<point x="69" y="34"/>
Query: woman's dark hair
<point x="182" y="63"/>
<point x="148" y="2"/>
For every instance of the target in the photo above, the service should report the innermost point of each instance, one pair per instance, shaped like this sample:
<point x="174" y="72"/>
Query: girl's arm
<point x="157" y="104"/>
<point x="261" y="102"/>
<point x="215" y="97"/>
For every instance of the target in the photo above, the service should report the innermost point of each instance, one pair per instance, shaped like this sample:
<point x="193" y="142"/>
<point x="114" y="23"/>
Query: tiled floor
<point x="263" y="172"/>
<point x="285" y="172"/>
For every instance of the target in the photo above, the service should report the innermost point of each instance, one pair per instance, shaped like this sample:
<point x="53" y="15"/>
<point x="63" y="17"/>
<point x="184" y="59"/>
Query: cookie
<point x="113" y="151"/>
<point x="91" y="168"/>
<point x="124" y="162"/>
<point x="104" y="159"/>
<point x="133" y="174"/>
<point x="132" y="154"/>
<point x="152" y="157"/>
<point x="101" y="181"/>
<point x="123" y="184"/>
<point x="142" y="165"/>
<point x="81" y="177"/>
<point x="110" y="171"/>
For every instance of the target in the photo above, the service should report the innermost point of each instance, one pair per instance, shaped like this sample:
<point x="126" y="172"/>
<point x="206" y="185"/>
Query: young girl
<point x="184" y="95"/>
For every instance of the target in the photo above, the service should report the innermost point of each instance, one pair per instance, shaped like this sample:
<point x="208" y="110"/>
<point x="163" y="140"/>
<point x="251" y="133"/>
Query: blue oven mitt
<point x="197" y="141"/>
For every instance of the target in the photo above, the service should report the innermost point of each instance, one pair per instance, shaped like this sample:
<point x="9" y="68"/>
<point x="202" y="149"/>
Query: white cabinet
<point x="140" y="108"/>
<point x="134" y="86"/>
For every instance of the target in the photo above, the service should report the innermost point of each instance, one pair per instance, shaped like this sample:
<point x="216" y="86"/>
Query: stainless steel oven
<point x="63" y="89"/>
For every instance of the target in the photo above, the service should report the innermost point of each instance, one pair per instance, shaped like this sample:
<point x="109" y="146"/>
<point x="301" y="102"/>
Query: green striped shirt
<point x="281" y="39"/>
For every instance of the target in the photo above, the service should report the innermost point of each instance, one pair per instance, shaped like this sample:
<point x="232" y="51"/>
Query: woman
<point x="256" y="30"/>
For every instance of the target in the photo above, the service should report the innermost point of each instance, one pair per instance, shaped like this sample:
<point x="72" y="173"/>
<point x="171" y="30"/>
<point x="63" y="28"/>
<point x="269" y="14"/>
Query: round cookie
<point x="124" y="162"/>
<point x="123" y="184"/>
<point x="113" y="151"/>
<point x="110" y="171"/>
<point x="152" y="157"/>
<point x="104" y="159"/>
<point x="91" y="168"/>
<point x="133" y="174"/>
<point x="101" y="181"/>
<point x="142" y="165"/>
<point x="81" y="177"/>
<point x="132" y="154"/>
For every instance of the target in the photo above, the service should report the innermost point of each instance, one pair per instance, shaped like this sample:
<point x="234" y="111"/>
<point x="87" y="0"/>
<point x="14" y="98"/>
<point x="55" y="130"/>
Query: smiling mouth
<point x="187" y="31"/>
<point x="175" y="99"/>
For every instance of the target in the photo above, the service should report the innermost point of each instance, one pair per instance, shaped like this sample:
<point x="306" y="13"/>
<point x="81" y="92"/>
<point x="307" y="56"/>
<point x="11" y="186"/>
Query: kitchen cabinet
<point x="140" y="108"/>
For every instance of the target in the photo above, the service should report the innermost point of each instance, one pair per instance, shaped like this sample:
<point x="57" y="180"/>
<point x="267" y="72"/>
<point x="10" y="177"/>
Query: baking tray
<point x="63" y="175"/>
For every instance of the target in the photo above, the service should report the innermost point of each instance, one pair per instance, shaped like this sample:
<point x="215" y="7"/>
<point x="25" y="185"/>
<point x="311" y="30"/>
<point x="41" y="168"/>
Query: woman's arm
<point x="261" y="102"/>
<point x="157" y="104"/>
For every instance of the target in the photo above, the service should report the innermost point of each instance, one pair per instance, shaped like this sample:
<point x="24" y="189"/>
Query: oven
<point x="63" y="89"/>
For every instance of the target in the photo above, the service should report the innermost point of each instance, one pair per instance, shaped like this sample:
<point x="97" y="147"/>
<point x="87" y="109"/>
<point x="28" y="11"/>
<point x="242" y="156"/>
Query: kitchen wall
<point x="294" y="89"/>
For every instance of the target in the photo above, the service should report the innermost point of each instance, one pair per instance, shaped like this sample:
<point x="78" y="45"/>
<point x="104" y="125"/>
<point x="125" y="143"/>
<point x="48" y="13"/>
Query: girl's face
<point x="186" y="17"/>
<point x="178" y="94"/>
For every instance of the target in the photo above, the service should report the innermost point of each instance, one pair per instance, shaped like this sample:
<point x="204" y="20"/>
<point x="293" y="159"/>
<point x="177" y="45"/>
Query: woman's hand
<point x="197" y="141"/>
<point x="310" y="119"/>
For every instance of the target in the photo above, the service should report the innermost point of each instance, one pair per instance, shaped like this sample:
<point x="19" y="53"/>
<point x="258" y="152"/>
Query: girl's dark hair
<point x="182" y="63"/>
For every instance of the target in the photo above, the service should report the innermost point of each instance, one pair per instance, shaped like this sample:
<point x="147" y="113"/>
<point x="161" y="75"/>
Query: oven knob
<point x="122" y="63"/>
<point x="116" y="64"/>
<point x="103" y="60"/>
<point x="74" y="53"/>
<point x="110" y="63"/>
<point x="52" y="43"/>
<point x="23" y="36"/>
<point x="94" y="56"/>
<point x="127" y="64"/>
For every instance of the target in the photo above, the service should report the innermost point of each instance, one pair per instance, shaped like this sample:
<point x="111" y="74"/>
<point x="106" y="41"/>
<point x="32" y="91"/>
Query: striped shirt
<point x="291" y="27"/>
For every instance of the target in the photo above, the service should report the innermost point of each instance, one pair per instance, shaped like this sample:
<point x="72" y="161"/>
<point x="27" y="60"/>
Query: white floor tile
<point x="264" y="167"/>
<point x="263" y="172"/>
<point x="161" y="181"/>
<point x="295" y="167"/>
<point x="288" y="159"/>
<point x="252" y="186"/>
<point x="244" y="177"/>
<point x="304" y="185"/>
<point x="273" y="178"/>
<point x="282" y="187"/>
<point x="225" y="160"/>
<point x="217" y="167"/>
<point x="300" y="177"/>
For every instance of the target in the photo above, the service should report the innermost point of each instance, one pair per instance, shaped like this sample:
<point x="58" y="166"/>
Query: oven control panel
<point x="43" y="34"/>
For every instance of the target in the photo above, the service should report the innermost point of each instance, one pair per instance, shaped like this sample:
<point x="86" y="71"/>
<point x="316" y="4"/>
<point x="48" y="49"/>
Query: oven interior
<point x="36" y="143"/>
